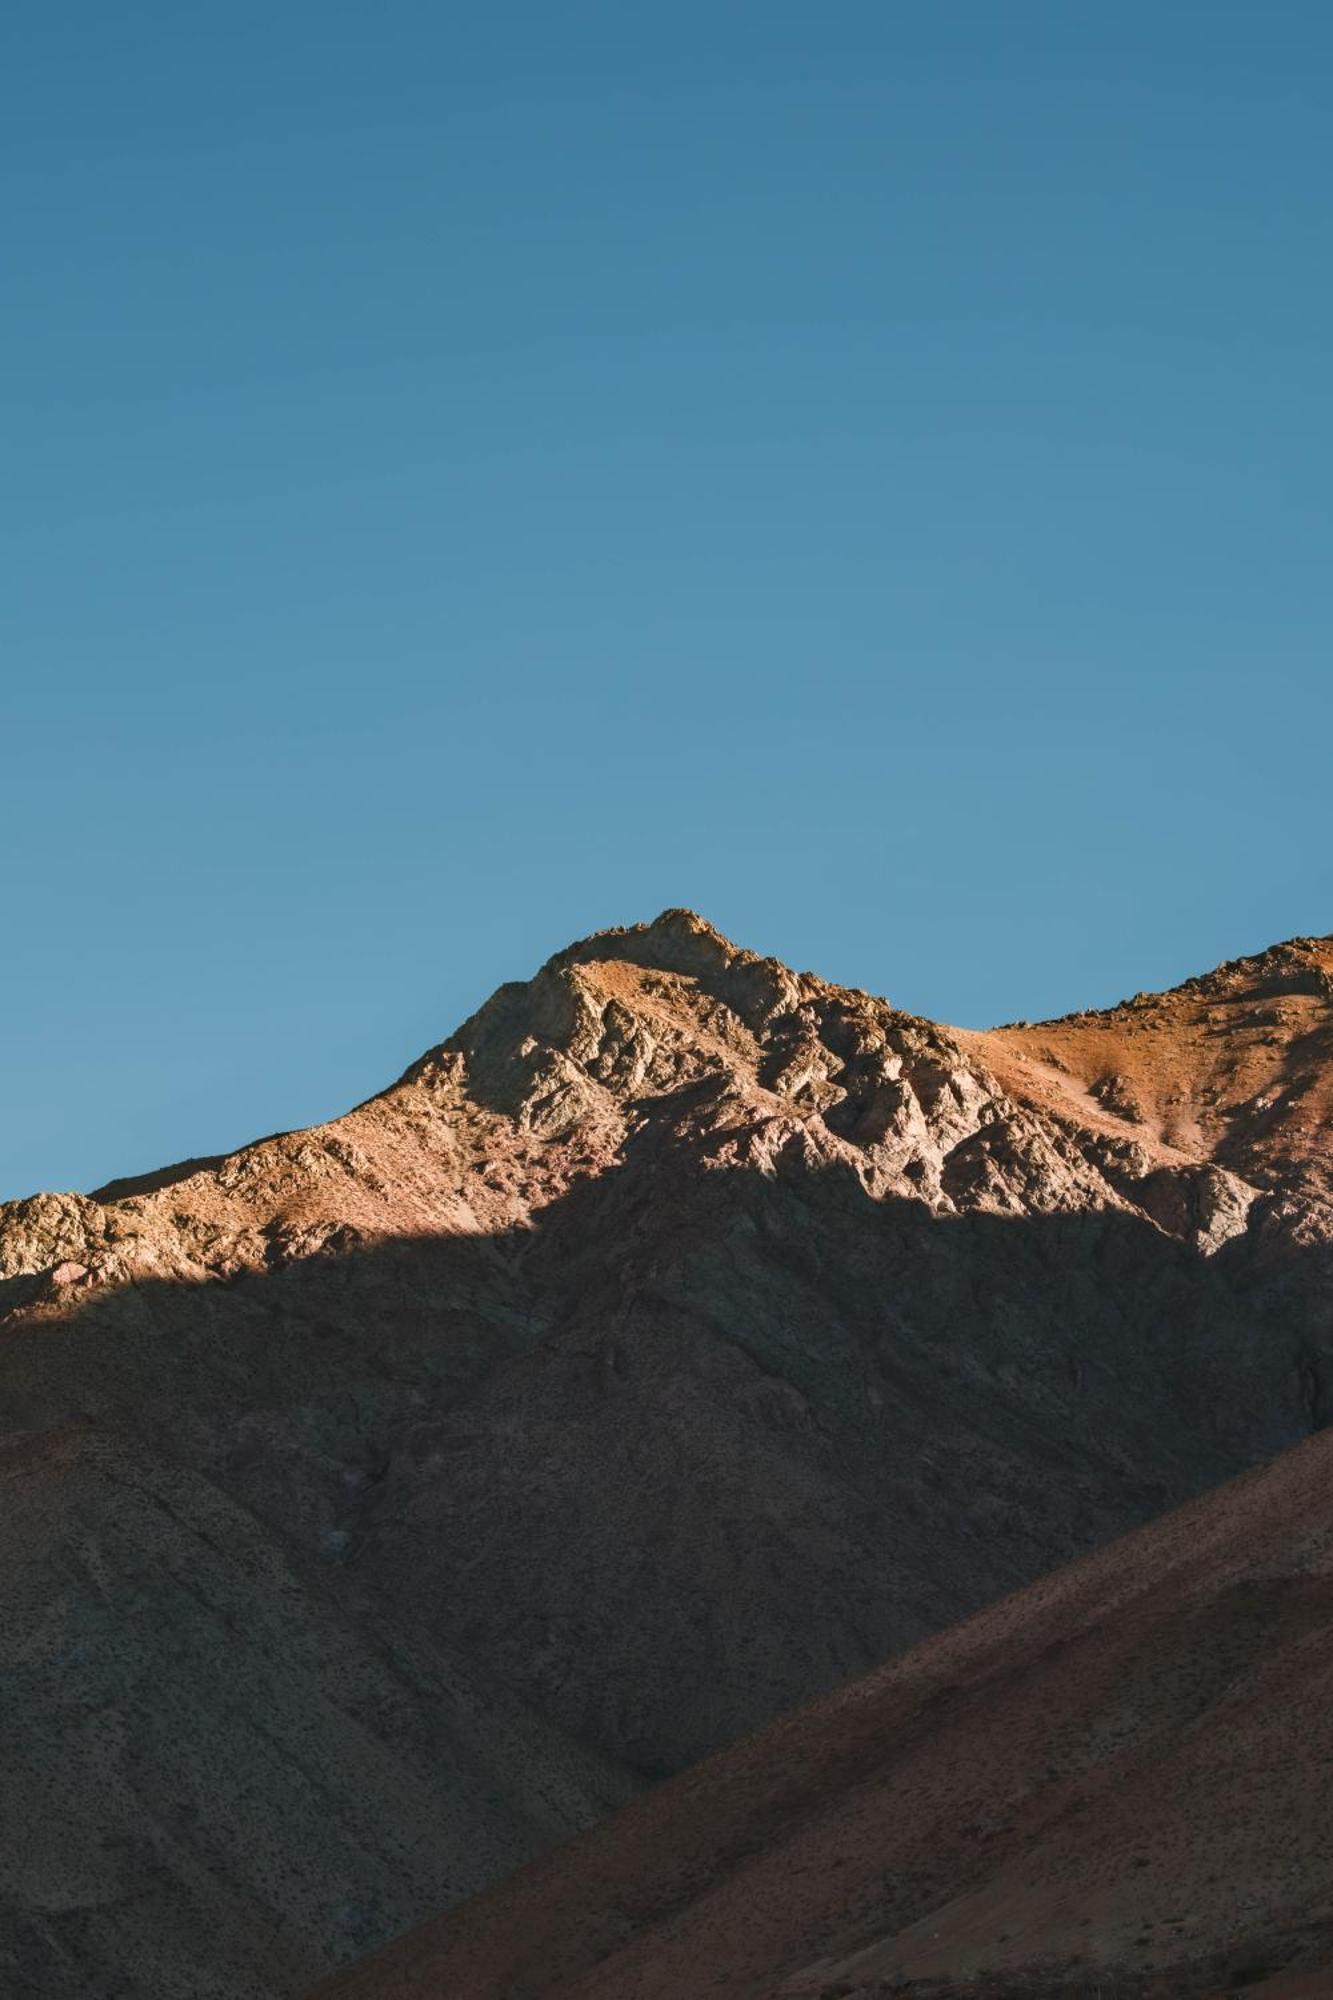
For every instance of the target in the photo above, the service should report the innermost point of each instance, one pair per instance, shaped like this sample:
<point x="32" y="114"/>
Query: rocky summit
<point x="683" y="1337"/>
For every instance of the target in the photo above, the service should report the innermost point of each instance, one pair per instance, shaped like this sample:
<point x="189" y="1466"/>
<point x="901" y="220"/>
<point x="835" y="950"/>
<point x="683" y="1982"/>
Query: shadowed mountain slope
<point x="1115" y="1783"/>
<point x="681" y="1338"/>
<point x="217" y="1778"/>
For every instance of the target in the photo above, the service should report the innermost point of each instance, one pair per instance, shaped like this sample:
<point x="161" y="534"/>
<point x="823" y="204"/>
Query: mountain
<point x="680" y="1339"/>
<point x="1115" y="1783"/>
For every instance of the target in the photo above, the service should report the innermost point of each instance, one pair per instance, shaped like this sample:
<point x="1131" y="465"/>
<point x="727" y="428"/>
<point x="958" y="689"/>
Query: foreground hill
<point x="682" y="1337"/>
<point x="1115" y="1783"/>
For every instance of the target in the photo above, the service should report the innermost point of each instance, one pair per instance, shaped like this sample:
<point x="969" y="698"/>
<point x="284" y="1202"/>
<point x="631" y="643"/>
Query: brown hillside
<point x="1116" y="1782"/>
<point x="679" y="1339"/>
<point x="1235" y="1067"/>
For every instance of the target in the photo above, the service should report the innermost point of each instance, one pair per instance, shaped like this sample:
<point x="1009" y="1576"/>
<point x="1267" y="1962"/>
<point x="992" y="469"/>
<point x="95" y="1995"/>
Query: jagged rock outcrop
<point x="685" y="1334"/>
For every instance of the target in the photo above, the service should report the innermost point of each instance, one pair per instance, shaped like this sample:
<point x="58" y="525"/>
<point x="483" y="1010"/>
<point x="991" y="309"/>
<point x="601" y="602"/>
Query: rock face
<point x="215" y="1775"/>
<point x="1114" y="1783"/>
<point x="681" y="1338"/>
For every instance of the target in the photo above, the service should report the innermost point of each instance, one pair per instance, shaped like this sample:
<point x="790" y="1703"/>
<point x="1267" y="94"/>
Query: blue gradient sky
<point x="476" y="474"/>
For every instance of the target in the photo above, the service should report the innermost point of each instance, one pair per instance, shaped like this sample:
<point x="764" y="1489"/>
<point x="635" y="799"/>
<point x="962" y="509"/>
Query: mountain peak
<point x="679" y="1338"/>
<point x="676" y="940"/>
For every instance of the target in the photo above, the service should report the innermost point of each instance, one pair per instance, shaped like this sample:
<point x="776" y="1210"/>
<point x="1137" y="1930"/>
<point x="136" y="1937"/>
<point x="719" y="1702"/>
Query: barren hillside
<point x="679" y="1339"/>
<point x="1115" y="1783"/>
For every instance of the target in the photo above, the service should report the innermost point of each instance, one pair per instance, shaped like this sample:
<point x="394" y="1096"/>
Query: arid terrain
<point x="678" y="1341"/>
<point x="1116" y="1782"/>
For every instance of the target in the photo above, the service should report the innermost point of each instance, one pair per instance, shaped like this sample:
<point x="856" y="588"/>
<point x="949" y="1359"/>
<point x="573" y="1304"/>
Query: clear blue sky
<point x="476" y="474"/>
